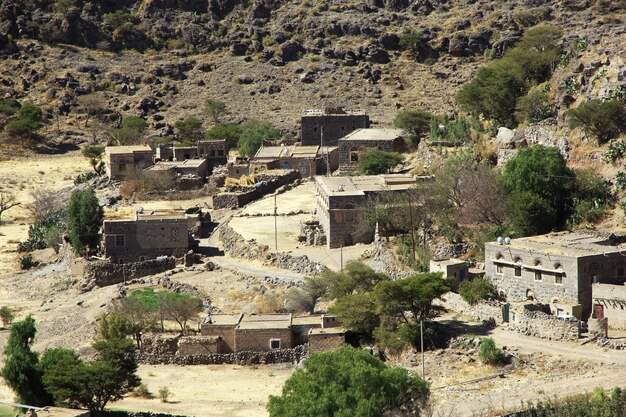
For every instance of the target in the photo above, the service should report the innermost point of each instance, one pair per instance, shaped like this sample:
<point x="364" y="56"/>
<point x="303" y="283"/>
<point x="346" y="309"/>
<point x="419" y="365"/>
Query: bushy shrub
<point x="477" y="289"/>
<point x="45" y="233"/>
<point x="591" y="196"/>
<point x="375" y="161"/>
<point x="229" y="132"/>
<point x="27" y="261"/>
<point x="614" y="151"/>
<point x="604" y="119"/>
<point x="29" y="120"/>
<point x="490" y="354"/>
<point x="253" y="135"/>
<point x="453" y="131"/>
<point x="415" y="123"/>
<point x="534" y="107"/>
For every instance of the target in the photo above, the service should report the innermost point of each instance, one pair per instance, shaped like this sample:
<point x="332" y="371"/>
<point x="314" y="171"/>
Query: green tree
<point x="604" y="119"/>
<point x="140" y="313"/>
<point x="215" y="109"/>
<point x="413" y="43"/>
<point x="29" y="120"/>
<point x="374" y="161"/>
<point x="132" y="129"/>
<point x="253" y="135"/>
<point x="357" y="312"/>
<point x="94" y="384"/>
<point x="347" y="382"/>
<point x="490" y="354"/>
<point x="21" y="371"/>
<point x="477" y="289"/>
<point x="539" y="186"/>
<point x="534" y="107"/>
<point x="95" y="153"/>
<point x="356" y="277"/>
<point x="228" y="131"/>
<point x="415" y="123"/>
<point x="84" y="219"/>
<point x="114" y="326"/>
<point x="189" y="129"/>
<point x="591" y="196"/>
<point x="179" y="307"/>
<point x="6" y="315"/>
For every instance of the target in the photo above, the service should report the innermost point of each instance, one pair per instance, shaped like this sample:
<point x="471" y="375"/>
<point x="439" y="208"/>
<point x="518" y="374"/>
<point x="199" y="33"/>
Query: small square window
<point x="348" y="216"/>
<point x="122" y="167"/>
<point x="518" y="271"/>
<point x="538" y="276"/>
<point x="212" y="152"/>
<point x="499" y="269"/>
<point x="220" y="152"/>
<point x="558" y="278"/>
<point x="354" y="157"/>
<point x="274" y="343"/>
<point x="120" y="240"/>
<point x="142" y="258"/>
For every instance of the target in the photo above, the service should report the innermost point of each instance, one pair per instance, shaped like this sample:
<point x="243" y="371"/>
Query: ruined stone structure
<point x="149" y="235"/>
<point x="125" y="162"/>
<point x="198" y="168"/>
<point x="327" y="126"/>
<point x="104" y="273"/>
<point x="609" y="302"/>
<point x="556" y="269"/>
<point x="309" y="160"/>
<point x="264" y="332"/>
<point x="250" y="167"/>
<point x="451" y="268"/>
<point x="267" y="182"/>
<point x="341" y="204"/>
<point x="354" y="144"/>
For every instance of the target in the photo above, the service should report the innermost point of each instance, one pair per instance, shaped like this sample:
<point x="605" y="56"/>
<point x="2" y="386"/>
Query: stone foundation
<point x="104" y="273"/>
<point x="294" y="355"/>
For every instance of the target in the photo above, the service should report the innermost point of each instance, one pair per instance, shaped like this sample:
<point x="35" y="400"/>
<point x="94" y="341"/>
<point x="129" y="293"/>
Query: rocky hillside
<point x="270" y="59"/>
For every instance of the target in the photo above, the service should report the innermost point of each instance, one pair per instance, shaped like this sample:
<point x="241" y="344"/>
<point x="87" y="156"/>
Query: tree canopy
<point x="374" y="161"/>
<point x="416" y="123"/>
<point x="253" y="135"/>
<point x="227" y="131"/>
<point x="189" y="129"/>
<point x="347" y="383"/>
<point x="84" y="219"/>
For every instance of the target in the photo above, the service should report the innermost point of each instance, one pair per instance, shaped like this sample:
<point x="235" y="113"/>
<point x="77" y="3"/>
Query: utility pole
<point x="341" y="256"/>
<point x="324" y="158"/>
<point x="411" y="223"/>
<point x="275" y="224"/>
<point x="422" y="346"/>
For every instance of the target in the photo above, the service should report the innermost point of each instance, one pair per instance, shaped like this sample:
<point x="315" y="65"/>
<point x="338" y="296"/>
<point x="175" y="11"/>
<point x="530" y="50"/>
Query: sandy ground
<point x="300" y="200"/>
<point x="210" y="391"/>
<point x="22" y="176"/>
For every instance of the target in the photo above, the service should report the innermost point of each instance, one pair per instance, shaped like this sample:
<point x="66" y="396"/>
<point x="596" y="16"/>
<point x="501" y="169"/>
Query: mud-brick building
<point x="341" y="203"/>
<point x="214" y="151"/>
<point x="148" y="235"/>
<point x="325" y="127"/>
<point x="265" y="332"/>
<point x="308" y="160"/>
<point x="354" y="144"/>
<point x="609" y="302"/>
<point x="191" y="167"/>
<point x="125" y="162"/>
<point x="558" y="269"/>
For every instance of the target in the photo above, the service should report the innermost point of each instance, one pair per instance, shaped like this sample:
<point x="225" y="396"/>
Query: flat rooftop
<point x="345" y="186"/>
<point x="374" y="134"/>
<point x="332" y="112"/>
<point x="327" y="330"/>
<point x="574" y="244"/>
<point x="125" y="214"/>
<point x="187" y="163"/>
<point x="226" y="319"/>
<point x="450" y="261"/>
<point x="265" y="321"/>
<point x="127" y="149"/>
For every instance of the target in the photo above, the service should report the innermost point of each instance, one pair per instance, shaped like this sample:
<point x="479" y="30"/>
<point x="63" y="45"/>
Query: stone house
<point x="341" y="203"/>
<point x="148" y="235"/>
<point x="451" y="268"/>
<point x="557" y="269"/>
<point x="250" y="167"/>
<point x="353" y="144"/>
<point x="190" y="167"/>
<point x="609" y="302"/>
<point x="262" y="332"/>
<point x="126" y="162"/>
<point x="309" y="160"/>
<point x="325" y="127"/>
<point x="214" y="151"/>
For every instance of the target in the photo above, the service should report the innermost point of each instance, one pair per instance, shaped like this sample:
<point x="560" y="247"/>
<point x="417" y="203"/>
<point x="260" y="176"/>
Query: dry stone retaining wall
<point x="294" y="355"/>
<point x="104" y="273"/>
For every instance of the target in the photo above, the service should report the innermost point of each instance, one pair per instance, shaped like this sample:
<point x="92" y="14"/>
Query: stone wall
<point x="326" y="342"/>
<point x="238" y="247"/>
<point x="294" y="355"/>
<point x="240" y="196"/>
<point x="198" y="345"/>
<point x="525" y="319"/>
<point x="104" y="273"/>
<point x="258" y="339"/>
<point x="167" y="344"/>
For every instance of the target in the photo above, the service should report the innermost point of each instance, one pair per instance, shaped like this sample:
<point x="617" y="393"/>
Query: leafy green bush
<point x="453" y="131"/>
<point x="6" y="315"/>
<point x="614" y="151"/>
<point x="477" y="289"/>
<point x="415" y="123"/>
<point x="29" y="120"/>
<point x="189" y="129"/>
<point x="120" y="18"/>
<point x="413" y="43"/>
<point x="497" y="87"/>
<point x="490" y="354"/>
<point x="227" y="131"/>
<point x="131" y="130"/>
<point x="534" y="107"/>
<point x="591" y="197"/>
<point x="45" y="233"/>
<point x="604" y="119"/>
<point x="253" y="135"/>
<point x="374" y="161"/>
<point x="27" y="261"/>
<point x="83" y="178"/>
<point x="9" y="106"/>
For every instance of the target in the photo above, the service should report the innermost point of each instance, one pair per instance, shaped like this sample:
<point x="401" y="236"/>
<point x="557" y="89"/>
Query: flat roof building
<point x="126" y="162"/>
<point x="354" y="144"/>
<point x="556" y="269"/>
<point x="328" y="125"/>
<point x="309" y="160"/>
<point x="341" y="204"/>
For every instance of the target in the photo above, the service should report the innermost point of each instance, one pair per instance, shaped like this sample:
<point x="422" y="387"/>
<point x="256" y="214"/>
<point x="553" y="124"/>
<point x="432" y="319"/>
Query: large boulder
<point x="505" y="139"/>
